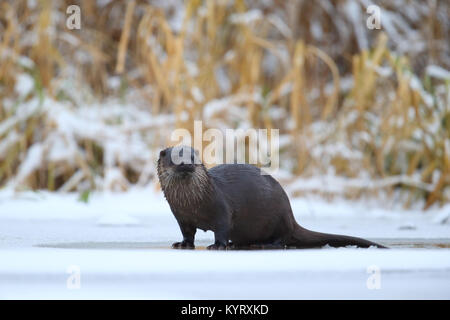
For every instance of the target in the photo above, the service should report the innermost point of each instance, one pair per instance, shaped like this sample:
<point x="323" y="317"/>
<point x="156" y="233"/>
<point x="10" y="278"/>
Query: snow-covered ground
<point x="117" y="246"/>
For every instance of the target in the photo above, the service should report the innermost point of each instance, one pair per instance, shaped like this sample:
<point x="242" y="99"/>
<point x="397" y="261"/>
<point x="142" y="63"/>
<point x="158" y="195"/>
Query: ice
<point x="117" y="220"/>
<point x="119" y="241"/>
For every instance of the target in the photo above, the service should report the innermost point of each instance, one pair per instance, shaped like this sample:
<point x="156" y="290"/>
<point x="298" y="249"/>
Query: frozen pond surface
<point x="201" y="245"/>
<point x="48" y="241"/>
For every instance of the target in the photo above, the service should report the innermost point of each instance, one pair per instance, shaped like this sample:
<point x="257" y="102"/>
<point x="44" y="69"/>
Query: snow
<point x="353" y="11"/>
<point x="443" y="216"/>
<point x="119" y="241"/>
<point x="197" y="94"/>
<point x="8" y="141"/>
<point x="336" y="149"/>
<point x="416" y="84"/>
<point x="24" y="84"/>
<point x="31" y="162"/>
<point x="438" y="72"/>
<point x="26" y="110"/>
<point x="247" y="17"/>
<point x="113" y="127"/>
<point x="337" y="184"/>
<point x="280" y="25"/>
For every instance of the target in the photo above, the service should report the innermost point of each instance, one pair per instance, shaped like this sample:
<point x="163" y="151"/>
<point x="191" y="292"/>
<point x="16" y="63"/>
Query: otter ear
<point x="162" y="153"/>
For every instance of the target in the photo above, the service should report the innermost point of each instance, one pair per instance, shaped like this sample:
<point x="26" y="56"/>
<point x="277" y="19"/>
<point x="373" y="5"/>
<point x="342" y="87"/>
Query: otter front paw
<point x="183" y="245"/>
<point x="217" y="246"/>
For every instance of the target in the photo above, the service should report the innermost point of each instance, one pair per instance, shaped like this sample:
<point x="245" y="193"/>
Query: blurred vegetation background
<point x="360" y="112"/>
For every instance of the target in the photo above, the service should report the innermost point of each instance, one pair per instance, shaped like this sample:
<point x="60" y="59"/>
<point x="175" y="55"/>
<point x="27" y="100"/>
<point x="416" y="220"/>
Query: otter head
<point x="183" y="178"/>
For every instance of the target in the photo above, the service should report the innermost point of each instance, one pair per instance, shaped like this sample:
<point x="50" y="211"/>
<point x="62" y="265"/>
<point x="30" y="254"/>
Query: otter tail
<point x="304" y="239"/>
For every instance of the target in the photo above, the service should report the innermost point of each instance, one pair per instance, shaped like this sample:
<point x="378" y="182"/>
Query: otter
<point x="244" y="208"/>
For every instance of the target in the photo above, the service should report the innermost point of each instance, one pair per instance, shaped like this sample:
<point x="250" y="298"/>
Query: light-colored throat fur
<point x="185" y="192"/>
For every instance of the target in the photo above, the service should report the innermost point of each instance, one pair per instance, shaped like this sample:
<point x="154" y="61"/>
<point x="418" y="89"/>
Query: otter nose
<point x="185" y="167"/>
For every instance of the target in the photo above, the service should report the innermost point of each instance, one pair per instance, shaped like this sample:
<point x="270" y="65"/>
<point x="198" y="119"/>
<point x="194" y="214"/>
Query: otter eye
<point x="162" y="153"/>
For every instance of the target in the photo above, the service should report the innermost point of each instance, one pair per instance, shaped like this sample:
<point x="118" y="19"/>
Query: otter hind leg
<point x="220" y="240"/>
